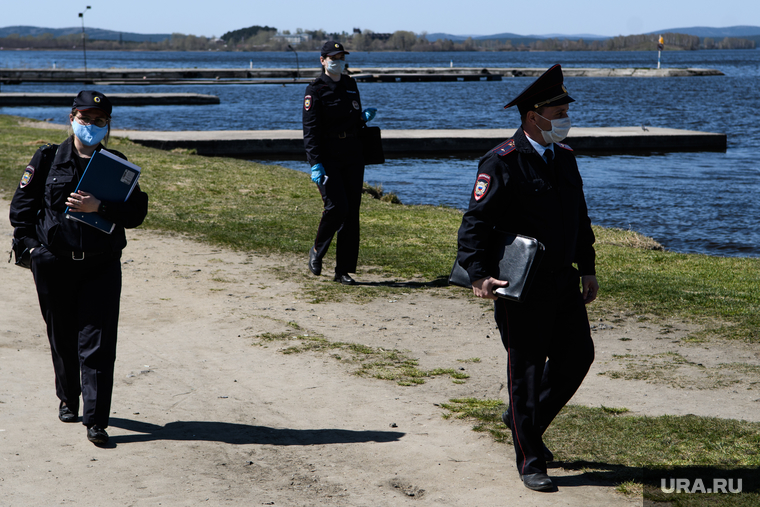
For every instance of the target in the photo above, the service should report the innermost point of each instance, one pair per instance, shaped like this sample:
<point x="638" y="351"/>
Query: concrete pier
<point x="429" y="143"/>
<point x="257" y="76"/>
<point x="118" y="99"/>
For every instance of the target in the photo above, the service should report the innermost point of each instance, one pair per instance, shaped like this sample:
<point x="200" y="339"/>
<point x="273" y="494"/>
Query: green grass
<point x="611" y="447"/>
<point x="270" y="209"/>
<point x="699" y="287"/>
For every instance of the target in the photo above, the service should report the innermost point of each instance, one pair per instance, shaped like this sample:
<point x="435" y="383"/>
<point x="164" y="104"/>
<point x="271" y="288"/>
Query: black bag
<point x="372" y="145"/>
<point x="517" y="258"/>
<point x="23" y="257"/>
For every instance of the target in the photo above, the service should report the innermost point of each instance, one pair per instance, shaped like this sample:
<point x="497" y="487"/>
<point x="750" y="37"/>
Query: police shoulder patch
<point x="307" y="102"/>
<point x="564" y="146"/>
<point x="482" y="183"/>
<point x="505" y="148"/>
<point x="26" y="178"/>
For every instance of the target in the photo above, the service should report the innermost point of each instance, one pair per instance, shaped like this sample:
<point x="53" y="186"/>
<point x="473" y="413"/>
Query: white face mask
<point x="335" y="66"/>
<point x="559" y="130"/>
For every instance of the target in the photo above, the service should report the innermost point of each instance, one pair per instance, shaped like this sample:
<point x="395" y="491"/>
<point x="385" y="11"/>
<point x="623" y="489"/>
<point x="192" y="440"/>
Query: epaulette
<point x="564" y="146"/>
<point x="48" y="151"/>
<point x="505" y="148"/>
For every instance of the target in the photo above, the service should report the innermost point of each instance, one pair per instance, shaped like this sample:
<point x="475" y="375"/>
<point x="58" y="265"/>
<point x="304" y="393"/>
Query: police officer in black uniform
<point x="332" y="116"/>
<point x="76" y="267"/>
<point x="530" y="185"/>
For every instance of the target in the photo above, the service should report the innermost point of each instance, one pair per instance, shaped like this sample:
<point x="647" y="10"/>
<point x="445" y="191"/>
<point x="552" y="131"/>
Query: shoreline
<point x="194" y="75"/>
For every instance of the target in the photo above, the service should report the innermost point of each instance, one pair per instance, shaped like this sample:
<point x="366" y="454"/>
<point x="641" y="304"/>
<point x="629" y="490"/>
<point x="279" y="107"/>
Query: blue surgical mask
<point x="336" y="66"/>
<point x="90" y="135"/>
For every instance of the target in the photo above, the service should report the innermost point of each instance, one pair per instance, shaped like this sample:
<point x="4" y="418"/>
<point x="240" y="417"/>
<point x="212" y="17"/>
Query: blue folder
<point x="109" y="178"/>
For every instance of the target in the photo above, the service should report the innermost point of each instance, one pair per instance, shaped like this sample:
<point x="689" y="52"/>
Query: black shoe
<point x="315" y="263"/>
<point x="97" y="435"/>
<point x="344" y="279"/>
<point x="537" y="482"/>
<point x="548" y="455"/>
<point x="66" y="414"/>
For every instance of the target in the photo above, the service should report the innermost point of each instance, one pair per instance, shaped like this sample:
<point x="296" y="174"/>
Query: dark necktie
<point x="550" y="166"/>
<point x="549" y="158"/>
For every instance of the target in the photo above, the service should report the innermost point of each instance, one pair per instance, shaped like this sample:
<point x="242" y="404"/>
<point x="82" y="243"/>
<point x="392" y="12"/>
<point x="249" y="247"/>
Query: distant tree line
<point x="266" y="38"/>
<point x="177" y="42"/>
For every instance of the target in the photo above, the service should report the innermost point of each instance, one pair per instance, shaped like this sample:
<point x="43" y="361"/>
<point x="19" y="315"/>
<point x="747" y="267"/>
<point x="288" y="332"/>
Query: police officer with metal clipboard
<point x="530" y="185"/>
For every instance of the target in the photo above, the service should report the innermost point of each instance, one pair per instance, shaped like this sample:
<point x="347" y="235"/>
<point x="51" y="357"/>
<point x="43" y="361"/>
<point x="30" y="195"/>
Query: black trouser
<point x="342" y="197"/>
<point x="552" y="324"/>
<point x="80" y="304"/>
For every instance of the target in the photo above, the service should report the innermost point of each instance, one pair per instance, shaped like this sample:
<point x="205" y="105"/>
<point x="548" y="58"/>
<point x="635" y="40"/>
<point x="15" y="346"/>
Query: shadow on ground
<point x="441" y="281"/>
<point x="239" y="434"/>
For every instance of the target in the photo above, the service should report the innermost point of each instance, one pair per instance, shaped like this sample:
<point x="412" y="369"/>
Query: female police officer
<point x="76" y="267"/>
<point x="332" y="116"/>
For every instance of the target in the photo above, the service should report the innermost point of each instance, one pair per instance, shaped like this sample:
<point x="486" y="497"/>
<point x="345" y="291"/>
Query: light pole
<point x="84" y="44"/>
<point x="298" y="68"/>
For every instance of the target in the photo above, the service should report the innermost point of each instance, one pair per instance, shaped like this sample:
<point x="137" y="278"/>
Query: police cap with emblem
<point x="90" y="99"/>
<point x="332" y="48"/>
<point x="546" y="91"/>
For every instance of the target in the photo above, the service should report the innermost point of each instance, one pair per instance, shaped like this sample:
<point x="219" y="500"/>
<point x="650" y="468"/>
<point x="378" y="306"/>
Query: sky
<point x="456" y="17"/>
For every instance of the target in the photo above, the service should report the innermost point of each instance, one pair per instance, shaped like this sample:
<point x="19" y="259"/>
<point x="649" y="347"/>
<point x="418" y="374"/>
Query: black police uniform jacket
<point x="331" y="109"/>
<point x="517" y="192"/>
<point x="37" y="208"/>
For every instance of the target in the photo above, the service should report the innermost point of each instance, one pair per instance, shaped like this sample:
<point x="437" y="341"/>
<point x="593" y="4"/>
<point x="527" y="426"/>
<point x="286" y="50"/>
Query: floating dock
<point x="288" y="144"/>
<point x="117" y="99"/>
<point x="291" y="75"/>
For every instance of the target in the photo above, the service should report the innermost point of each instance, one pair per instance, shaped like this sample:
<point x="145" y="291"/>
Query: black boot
<point x="315" y="263"/>
<point x="506" y="418"/>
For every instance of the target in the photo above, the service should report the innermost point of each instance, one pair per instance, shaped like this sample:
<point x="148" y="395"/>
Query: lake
<point x="690" y="202"/>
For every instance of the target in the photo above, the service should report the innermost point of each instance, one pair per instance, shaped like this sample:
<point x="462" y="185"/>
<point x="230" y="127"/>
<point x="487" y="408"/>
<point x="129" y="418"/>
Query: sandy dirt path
<point x="205" y="414"/>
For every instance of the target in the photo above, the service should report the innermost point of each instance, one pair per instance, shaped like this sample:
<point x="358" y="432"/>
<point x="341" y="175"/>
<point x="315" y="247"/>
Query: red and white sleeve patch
<point x="481" y="186"/>
<point x="307" y="102"/>
<point x="26" y="178"/>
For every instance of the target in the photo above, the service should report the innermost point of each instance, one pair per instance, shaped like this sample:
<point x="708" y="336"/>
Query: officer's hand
<point x="590" y="288"/>
<point x="484" y="287"/>
<point x="317" y="173"/>
<point x="83" y="202"/>
<point x="369" y="113"/>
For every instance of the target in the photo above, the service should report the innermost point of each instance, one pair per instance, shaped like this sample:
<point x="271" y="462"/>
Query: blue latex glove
<point x="317" y="173"/>
<point x="369" y="113"/>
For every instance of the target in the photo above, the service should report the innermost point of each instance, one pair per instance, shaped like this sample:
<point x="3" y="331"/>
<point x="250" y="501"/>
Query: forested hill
<point x="92" y="33"/>
<point x="265" y="38"/>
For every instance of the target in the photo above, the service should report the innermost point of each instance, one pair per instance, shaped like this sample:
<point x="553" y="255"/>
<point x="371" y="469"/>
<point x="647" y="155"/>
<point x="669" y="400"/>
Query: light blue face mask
<point x="336" y="66"/>
<point x="90" y="135"/>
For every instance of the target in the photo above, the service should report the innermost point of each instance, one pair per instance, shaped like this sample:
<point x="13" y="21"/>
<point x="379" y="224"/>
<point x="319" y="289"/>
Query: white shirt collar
<point x="540" y="149"/>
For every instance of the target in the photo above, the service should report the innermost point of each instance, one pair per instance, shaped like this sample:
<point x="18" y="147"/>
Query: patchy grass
<point x="613" y="448"/>
<point x="671" y="368"/>
<point x="372" y="362"/>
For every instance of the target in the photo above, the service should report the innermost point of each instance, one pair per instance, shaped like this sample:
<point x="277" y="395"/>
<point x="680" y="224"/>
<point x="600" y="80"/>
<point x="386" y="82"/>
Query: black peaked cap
<point x="332" y="47"/>
<point x="546" y="91"/>
<point x="90" y="99"/>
